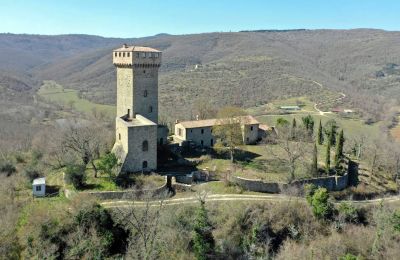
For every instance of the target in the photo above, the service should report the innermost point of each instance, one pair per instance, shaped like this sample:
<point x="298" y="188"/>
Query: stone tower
<point x="137" y="107"/>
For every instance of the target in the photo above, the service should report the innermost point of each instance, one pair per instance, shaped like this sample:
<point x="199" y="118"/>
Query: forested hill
<point x="241" y="68"/>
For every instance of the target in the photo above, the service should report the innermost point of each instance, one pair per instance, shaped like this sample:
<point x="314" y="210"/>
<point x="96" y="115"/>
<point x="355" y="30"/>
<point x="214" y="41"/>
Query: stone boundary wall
<point x="113" y="195"/>
<point x="331" y="183"/>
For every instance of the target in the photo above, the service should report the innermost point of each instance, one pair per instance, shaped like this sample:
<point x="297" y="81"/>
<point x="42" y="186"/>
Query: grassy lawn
<point x="69" y="98"/>
<point x="214" y="187"/>
<point x="259" y="162"/>
<point x="351" y="127"/>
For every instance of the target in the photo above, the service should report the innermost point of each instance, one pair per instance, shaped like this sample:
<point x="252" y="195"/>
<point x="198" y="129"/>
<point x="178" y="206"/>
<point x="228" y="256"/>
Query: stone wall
<point x="331" y="183"/>
<point x="129" y="194"/>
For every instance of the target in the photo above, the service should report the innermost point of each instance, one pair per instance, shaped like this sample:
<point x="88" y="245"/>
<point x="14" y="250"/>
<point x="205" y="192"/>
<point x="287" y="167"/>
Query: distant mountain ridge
<point x="241" y="68"/>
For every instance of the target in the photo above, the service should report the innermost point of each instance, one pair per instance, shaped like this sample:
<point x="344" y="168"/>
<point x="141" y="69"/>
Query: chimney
<point x="176" y="121"/>
<point x="197" y="117"/>
<point x="124" y="45"/>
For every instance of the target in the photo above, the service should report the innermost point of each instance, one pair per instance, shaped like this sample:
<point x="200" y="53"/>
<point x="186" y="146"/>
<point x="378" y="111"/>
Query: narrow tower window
<point x="145" y="93"/>
<point x="150" y="109"/>
<point x="128" y="54"/>
<point x="145" y="146"/>
<point x="144" y="164"/>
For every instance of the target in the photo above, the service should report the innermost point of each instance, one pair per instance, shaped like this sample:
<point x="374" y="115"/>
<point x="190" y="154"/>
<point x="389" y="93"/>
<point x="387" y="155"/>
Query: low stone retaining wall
<point x="331" y="183"/>
<point x="130" y="194"/>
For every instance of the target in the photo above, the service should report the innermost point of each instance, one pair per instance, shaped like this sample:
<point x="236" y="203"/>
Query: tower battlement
<point x="136" y="56"/>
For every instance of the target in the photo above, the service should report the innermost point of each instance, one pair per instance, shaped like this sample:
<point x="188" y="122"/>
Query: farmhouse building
<point x="200" y="132"/>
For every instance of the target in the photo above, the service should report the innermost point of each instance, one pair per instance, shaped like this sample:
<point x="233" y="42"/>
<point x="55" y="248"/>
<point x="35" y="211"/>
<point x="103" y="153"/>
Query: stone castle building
<point x="136" y="128"/>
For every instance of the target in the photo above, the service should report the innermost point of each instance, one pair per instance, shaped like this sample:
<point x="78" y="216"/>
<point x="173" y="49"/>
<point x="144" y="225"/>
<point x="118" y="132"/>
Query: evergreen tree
<point x="339" y="148"/>
<point x="203" y="240"/>
<point x="320" y="135"/>
<point x="314" y="166"/>
<point x="294" y="124"/>
<point x="328" y="157"/>
<point x="308" y="122"/>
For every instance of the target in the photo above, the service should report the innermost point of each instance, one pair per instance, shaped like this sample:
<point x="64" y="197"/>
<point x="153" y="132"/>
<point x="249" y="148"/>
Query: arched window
<point x="144" y="164"/>
<point x="145" y="146"/>
<point x="150" y="109"/>
<point x="145" y="93"/>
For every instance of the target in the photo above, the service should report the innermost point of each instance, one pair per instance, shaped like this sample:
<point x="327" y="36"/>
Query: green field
<point x="351" y="127"/>
<point x="68" y="98"/>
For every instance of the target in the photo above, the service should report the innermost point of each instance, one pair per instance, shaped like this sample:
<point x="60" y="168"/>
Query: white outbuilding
<point x="39" y="187"/>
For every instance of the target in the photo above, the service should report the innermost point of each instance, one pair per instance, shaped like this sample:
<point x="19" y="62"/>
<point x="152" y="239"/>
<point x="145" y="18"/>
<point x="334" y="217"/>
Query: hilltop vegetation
<point x="244" y="68"/>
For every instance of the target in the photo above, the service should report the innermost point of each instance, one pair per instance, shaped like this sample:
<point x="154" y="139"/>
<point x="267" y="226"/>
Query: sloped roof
<point x="248" y="120"/>
<point x="137" y="48"/>
<point x="264" y="127"/>
<point x="39" y="181"/>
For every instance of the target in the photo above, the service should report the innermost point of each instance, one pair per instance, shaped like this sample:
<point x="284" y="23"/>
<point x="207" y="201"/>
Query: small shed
<point x="39" y="187"/>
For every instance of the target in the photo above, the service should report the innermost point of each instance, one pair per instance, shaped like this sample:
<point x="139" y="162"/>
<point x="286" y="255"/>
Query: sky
<point x="131" y="18"/>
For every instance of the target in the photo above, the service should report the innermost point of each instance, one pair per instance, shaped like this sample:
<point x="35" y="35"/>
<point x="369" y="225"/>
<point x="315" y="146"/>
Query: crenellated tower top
<point x="136" y="56"/>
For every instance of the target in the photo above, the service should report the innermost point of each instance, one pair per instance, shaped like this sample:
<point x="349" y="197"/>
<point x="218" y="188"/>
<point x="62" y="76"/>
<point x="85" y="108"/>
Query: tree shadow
<point x="52" y="190"/>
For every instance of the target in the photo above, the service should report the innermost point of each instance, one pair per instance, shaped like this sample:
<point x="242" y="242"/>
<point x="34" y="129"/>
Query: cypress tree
<point x="328" y="157"/>
<point x="203" y="240"/>
<point x="293" y="130"/>
<point x="339" y="148"/>
<point x="314" y="166"/>
<point x="320" y="136"/>
<point x="332" y="135"/>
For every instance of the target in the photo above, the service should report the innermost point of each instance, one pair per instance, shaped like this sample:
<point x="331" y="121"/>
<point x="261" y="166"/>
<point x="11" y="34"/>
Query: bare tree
<point x="142" y="218"/>
<point x="291" y="150"/>
<point x="228" y="128"/>
<point x="86" y="142"/>
<point x="204" y="109"/>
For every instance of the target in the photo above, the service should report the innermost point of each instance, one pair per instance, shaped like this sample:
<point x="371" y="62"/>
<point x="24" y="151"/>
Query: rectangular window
<point x="251" y="128"/>
<point x="149" y="55"/>
<point x="128" y="54"/>
<point x="115" y="54"/>
<point x="156" y="55"/>
<point x="202" y="131"/>
<point x="123" y="54"/>
<point x="39" y="188"/>
<point x="119" y="137"/>
<point x="143" y="55"/>
<point x="137" y="54"/>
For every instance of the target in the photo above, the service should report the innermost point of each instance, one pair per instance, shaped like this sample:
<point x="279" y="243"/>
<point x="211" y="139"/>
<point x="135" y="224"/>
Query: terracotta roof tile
<point x="248" y="120"/>
<point x="137" y="48"/>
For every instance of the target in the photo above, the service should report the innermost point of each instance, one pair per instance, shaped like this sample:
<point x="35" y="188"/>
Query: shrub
<point x="320" y="204"/>
<point x="19" y="158"/>
<point x="123" y="180"/>
<point x="107" y="164"/>
<point x="203" y="240"/>
<point x="76" y="175"/>
<point x="7" y="167"/>
<point x="348" y="212"/>
<point x="349" y="257"/>
<point x="32" y="173"/>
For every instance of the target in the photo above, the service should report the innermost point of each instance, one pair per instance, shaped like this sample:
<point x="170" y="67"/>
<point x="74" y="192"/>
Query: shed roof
<point x="39" y="181"/>
<point x="137" y="48"/>
<point x="248" y="120"/>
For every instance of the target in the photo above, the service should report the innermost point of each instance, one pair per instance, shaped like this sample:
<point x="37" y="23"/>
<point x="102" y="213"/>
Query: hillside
<point x="242" y="68"/>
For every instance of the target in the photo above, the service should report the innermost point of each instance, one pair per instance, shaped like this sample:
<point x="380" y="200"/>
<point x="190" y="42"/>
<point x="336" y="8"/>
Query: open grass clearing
<point x="68" y="98"/>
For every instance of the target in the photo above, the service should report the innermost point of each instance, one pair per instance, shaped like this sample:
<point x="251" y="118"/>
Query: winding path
<point x="234" y="197"/>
